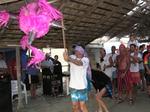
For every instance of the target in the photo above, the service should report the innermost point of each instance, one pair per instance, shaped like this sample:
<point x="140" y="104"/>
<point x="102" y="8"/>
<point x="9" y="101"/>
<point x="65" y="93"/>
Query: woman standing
<point x="33" y="72"/>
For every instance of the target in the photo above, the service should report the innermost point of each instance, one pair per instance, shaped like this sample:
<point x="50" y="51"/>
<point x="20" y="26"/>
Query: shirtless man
<point x="122" y="63"/>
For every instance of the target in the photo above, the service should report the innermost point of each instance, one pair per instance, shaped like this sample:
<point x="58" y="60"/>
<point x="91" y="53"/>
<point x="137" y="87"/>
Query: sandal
<point x="131" y="101"/>
<point x="99" y="110"/>
<point x="120" y="100"/>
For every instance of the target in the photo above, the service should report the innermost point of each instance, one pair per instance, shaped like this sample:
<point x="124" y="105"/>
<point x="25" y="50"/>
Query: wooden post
<point x="20" y="105"/>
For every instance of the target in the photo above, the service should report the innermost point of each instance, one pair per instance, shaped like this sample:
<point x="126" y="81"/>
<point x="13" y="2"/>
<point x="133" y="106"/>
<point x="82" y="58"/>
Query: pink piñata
<point x="4" y="18"/>
<point x="37" y="56"/>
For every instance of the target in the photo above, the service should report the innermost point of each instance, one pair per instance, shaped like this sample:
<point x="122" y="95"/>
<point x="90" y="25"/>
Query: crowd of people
<point x="51" y="70"/>
<point x="117" y="74"/>
<point x="128" y="69"/>
<point x="51" y="77"/>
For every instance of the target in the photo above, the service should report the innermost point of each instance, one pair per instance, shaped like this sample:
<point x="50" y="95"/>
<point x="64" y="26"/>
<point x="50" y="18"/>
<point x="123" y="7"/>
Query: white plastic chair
<point x="14" y="89"/>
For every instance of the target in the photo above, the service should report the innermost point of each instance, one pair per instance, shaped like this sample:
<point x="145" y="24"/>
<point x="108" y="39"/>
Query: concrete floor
<point x="63" y="104"/>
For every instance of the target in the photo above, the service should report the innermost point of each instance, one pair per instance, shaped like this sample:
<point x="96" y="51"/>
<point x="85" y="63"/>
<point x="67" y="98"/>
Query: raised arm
<point x="69" y="59"/>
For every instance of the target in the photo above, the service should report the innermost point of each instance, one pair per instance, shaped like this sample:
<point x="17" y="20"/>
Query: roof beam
<point x="125" y="18"/>
<point x="13" y="6"/>
<point x="106" y="18"/>
<point x="87" y="13"/>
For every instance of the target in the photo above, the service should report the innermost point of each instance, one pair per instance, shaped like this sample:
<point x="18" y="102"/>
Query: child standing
<point x="132" y="40"/>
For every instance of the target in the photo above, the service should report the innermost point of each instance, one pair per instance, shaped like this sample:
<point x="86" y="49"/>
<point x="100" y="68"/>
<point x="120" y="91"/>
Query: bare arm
<point x="147" y="69"/>
<point x="117" y="62"/>
<point x="69" y="59"/>
<point x="128" y="62"/>
<point x="75" y="61"/>
<point x="110" y="63"/>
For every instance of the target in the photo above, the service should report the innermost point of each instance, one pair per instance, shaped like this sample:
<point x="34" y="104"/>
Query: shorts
<point x="109" y="90"/>
<point x="147" y="77"/>
<point x="33" y="79"/>
<point x="78" y="95"/>
<point x="114" y="75"/>
<point x="135" y="77"/>
<point x="89" y="85"/>
<point x="142" y="72"/>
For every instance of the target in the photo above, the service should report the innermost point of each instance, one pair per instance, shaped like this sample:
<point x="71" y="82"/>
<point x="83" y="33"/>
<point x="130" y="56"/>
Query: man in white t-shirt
<point x="135" y="58"/>
<point x="78" y="81"/>
<point x="114" y="70"/>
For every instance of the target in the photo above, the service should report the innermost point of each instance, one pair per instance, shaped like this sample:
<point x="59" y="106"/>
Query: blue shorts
<point x="89" y="85"/>
<point x="109" y="90"/>
<point x="114" y="75"/>
<point x="78" y="95"/>
<point x="142" y="72"/>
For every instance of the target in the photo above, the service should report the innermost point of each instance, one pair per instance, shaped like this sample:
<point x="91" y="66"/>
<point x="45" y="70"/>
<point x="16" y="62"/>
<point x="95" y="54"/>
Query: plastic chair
<point x="14" y="89"/>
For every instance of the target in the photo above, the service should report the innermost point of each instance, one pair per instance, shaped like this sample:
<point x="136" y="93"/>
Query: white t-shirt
<point x="78" y="74"/>
<point x="113" y="59"/>
<point x="107" y="71"/>
<point x="134" y="67"/>
<point x="133" y="42"/>
<point x="141" y="65"/>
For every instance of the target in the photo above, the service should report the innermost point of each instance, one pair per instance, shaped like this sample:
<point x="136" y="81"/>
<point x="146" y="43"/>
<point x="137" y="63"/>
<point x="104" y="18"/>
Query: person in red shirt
<point x="146" y="57"/>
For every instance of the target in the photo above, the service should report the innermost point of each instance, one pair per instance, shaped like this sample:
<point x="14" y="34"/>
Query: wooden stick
<point x="63" y="33"/>
<point x="7" y="1"/>
<point x="53" y="1"/>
